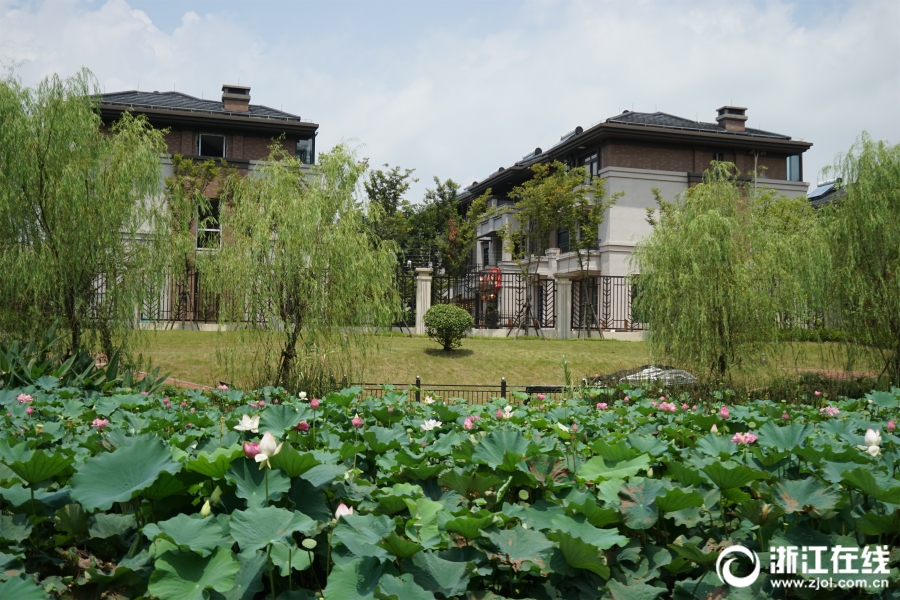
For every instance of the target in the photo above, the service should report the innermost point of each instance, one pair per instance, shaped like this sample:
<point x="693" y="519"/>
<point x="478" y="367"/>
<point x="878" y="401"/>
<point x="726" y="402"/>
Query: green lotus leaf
<point x="647" y="444"/>
<point x="580" y="554"/>
<point x="875" y="524"/>
<point x="738" y="476"/>
<point x="683" y="474"/>
<point x="292" y="462"/>
<point x="21" y="589"/>
<point x="715" y="445"/>
<point x="288" y="557"/>
<point x="356" y="578"/>
<point x="191" y="533"/>
<point x="188" y="576"/>
<point x="166" y="485"/>
<point x="804" y="495"/>
<point x="435" y="574"/>
<point x="759" y="512"/>
<point x="884" y="399"/>
<point x="248" y="581"/>
<point x="250" y="481"/>
<point x="403" y="587"/>
<point x="104" y="525"/>
<point x="785" y="437"/>
<point x="493" y="447"/>
<point x="597" y="469"/>
<point x="468" y="527"/>
<point x="637" y="502"/>
<point x="14" y="528"/>
<point x="399" y="547"/>
<point x="321" y="475"/>
<point x="72" y="519"/>
<point x="465" y="482"/>
<point x="39" y="465"/>
<point x="693" y="553"/>
<point x="882" y="490"/>
<point x="278" y="418"/>
<point x="215" y="464"/>
<point x="604" y="539"/>
<point x="256" y="527"/>
<point x="382" y="439"/>
<point x="677" y="499"/>
<point x="634" y="590"/>
<point x="121" y="475"/>
<point x="521" y="546"/>
<point x="360" y="534"/>
<point x="614" y="452"/>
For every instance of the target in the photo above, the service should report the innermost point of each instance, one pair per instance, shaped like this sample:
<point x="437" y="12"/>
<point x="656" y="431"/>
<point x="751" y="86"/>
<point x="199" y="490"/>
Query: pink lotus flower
<point x="662" y="398"/>
<point x="785" y="416"/>
<point x="574" y="427"/>
<point x="744" y="438"/>
<point x="167" y="403"/>
<point x="423" y="443"/>
<point x="343" y="511"/>
<point x="29" y="410"/>
<point x="499" y="413"/>
<point x="145" y="393"/>
<point x="188" y="424"/>
<point x="251" y="449"/>
<point x="694" y="407"/>
<point x="668" y="407"/>
<point x="684" y="406"/>
<point x="540" y="396"/>
<point x="183" y="403"/>
<point x="627" y="399"/>
<point x="891" y="426"/>
<point x="654" y="403"/>
<point x="193" y="410"/>
<point x="723" y="412"/>
<point x="99" y="423"/>
<point x="817" y="393"/>
<point x="314" y="403"/>
<point x="302" y="426"/>
<point x="829" y="411"/>
<point x="390" y="409"/>
<point x="602" y="406"/>
<point x="469" y="423"/>
<point x="253" y="405"/>
<point x="261" y="403"/>
<point x="222" y="388"/>
<point x="24" y="398"/>
<point x="477" y="417"/>
<point x="356" y="421"/>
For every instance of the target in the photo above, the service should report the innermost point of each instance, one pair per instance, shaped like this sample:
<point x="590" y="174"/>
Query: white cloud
<point x="461" y="98"/>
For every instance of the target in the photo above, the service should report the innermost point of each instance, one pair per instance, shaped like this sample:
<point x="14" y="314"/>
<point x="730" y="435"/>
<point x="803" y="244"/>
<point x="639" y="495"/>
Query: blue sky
<point x="458" y="89"/>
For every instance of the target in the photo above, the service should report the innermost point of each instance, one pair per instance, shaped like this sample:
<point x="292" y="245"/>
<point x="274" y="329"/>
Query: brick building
<point x="635" y="152"/>
<point x="232" y="130"/>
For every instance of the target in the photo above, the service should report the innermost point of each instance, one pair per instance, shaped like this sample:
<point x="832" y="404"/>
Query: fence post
<point x="418" y="386"/>
<point x="423" y="297"/>
<point x="563" y="308"/>
<point x="503" y="387"/>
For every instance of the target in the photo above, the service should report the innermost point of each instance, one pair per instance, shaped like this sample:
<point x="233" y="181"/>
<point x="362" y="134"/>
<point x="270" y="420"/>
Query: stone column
<point x="563" y="308"/>
<point x="423" y="297"/>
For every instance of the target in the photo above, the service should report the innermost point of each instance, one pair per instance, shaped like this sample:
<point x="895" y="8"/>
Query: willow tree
<point x="301" y="265"/>
<point x="724" y="265"/>
<point x="864" y="228"/>
<point x="79" y="226"/>
<point x="555" y="197"/>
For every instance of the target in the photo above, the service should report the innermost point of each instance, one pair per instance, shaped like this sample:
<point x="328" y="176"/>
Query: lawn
<point x="191" y="356"/>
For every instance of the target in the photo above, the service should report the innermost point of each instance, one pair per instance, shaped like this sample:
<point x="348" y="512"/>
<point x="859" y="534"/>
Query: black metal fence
<point x="181" y="299"/>
<point x="406" y="287"/>
<point x="499" y="300"/>
<point x="471" y="394"/>
<point x="605" y="302"/>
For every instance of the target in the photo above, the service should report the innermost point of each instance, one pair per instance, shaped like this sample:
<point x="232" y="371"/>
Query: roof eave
<point x="175" y="116"/>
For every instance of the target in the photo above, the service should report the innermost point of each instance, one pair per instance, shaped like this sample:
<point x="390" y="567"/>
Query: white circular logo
<point x="725" y="574"/>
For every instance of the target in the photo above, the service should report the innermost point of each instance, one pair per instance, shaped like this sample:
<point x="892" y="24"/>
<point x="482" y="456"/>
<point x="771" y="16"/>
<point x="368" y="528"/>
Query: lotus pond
<point x="610" y="493"/>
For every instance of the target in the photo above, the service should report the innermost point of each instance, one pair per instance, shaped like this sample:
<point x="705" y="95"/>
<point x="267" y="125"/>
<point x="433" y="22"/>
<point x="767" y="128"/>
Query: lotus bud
<point x="206" y="510"/>
<point x="216" y="495"/>
<point x="714" y="429"/>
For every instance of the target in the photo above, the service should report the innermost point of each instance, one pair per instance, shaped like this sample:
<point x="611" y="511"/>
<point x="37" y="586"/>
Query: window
<point x="794" y="170"/>
<point x="590" y="163"/>
<point x="485" y="254"/>
<point x="209" y="229"/>
<point x="305" y="151"/>
<point x="718" y="156"/>
<point x="497" y="252"/>
<point x="211" y="145"/>
<point x="562" y="239"/>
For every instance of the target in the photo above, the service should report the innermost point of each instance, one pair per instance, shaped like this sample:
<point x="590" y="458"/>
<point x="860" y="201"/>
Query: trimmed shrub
<point x="447" y="325"/>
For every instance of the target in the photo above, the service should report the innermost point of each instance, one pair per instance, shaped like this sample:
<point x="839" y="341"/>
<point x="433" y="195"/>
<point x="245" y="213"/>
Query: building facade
<point x="636" y="152"/>
<point x="231" y="130"/>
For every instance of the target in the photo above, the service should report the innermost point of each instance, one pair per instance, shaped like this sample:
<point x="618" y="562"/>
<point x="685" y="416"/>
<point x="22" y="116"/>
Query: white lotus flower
<point x="248" y="423"/>
<point x="563" y="427"/>
<point x="268" y="448"/>
<point x="873" y="438"/>
<point x="508" y="410"/>
<point x="303" y="395"/>
<point x="873" y="450"/>
<point x="428" y="400"/>
<point x="714" y="429"/>
<point x="342" y="511"/>
<point x="430" y="424"/>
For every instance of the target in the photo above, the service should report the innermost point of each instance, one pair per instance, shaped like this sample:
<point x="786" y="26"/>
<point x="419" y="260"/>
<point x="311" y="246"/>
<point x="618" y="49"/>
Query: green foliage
<point x="725" y="264"/>
<point x="509" y="508"/>
<point x="863" y="226"/>
<point x="75" y="198"/>
<point x="389" y="210"/>
<point x="308" y="269"/>
<point x="448" y="325"/>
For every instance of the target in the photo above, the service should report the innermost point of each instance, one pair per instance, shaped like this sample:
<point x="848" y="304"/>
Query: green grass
<point x="191" y="356"/>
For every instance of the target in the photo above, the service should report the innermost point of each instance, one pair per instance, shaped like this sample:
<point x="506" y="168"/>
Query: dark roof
<point x="825" y="193"/>
<point x="661" y="119"/>
<point x="183" y="102"/>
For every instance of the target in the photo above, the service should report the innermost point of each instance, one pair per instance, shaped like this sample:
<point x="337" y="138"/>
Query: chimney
<point x="236" y="98"/>
<point x="732" y="118"/>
